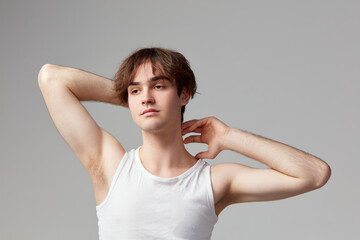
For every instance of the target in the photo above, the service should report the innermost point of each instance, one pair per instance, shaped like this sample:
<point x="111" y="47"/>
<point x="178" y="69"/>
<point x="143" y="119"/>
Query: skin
<point x="162" y="152"/>
<point x="290" y="171"/>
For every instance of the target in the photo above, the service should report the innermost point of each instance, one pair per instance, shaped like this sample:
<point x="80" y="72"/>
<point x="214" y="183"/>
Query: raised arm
<point x="291" y="171"/>
<point x="63" y="88"/>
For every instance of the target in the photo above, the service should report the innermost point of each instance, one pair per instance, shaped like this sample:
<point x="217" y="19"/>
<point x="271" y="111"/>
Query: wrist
<point x="233" y="139"/>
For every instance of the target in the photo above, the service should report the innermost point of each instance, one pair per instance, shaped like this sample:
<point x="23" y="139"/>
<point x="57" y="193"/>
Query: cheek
<point x="132" y="107"/>
<point x="173" y="104"/>
<point x="132" y="102"/>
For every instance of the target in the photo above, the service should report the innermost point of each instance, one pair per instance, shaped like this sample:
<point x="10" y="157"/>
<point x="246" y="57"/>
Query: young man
<point x="159" y="190"/>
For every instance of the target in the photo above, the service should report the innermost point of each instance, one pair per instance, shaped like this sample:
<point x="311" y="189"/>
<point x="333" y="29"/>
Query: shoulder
<point x="222" y="176"/>
<point x="219" y="181"/>
<point x="225" y="171"/>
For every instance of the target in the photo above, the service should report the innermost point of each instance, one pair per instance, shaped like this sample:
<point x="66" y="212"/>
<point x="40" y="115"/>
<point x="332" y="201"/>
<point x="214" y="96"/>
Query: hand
<point x="212" y="132"/>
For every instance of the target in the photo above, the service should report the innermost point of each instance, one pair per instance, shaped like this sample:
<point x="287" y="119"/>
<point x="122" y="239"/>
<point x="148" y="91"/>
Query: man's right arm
<point x="63" y="88"/>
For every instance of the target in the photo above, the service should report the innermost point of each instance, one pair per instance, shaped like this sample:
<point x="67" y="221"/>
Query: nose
<point x="147" y="97"/>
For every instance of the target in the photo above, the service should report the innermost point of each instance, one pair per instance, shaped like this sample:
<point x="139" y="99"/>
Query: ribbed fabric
<point x="140" y="205"/>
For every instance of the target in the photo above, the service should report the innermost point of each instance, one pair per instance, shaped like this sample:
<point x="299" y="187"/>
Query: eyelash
<point x="161" y="87"/>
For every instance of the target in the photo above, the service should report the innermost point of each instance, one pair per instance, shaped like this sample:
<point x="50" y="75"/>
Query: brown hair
<point x="170" y="63"/>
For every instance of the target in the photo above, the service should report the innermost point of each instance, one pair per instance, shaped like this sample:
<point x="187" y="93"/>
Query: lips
<point x="149" y="110"/>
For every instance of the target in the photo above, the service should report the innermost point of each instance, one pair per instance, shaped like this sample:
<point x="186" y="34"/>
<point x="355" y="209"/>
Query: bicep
<point x="248" y="184"/>
<point x="73" y="121"/>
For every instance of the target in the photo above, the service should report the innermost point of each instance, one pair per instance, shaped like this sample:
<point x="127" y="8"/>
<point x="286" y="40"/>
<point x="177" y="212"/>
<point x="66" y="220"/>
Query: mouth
<point x="149" y="111"/>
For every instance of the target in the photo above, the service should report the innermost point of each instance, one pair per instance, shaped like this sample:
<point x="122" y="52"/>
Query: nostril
<point x="148" y="101"/>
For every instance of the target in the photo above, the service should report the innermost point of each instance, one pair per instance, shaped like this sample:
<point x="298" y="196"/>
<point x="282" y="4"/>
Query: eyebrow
<point x="153" y="79"/>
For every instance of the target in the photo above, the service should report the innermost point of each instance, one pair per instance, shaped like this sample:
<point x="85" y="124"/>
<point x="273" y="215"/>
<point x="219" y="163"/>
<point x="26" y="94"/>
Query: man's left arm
<point x="291" y="171"/>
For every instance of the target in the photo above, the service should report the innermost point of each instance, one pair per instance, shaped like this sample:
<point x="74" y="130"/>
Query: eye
<point x="159" y="86"/>
<point x="134" y="91"/>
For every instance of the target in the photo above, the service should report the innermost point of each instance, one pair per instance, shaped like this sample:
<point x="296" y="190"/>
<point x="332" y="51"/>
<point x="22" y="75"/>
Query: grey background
<point x="287" y="70"/>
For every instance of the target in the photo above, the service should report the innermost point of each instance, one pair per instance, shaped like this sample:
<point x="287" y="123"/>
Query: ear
<point x="184" y="97"/>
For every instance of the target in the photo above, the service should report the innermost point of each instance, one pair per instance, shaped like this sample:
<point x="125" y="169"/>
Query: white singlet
<point x="140" y="205"/>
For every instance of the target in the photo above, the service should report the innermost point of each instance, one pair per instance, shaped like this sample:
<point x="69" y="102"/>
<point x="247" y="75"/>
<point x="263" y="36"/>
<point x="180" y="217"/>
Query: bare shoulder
<point x="221" y="179"/>
<point x="103" y="170"/>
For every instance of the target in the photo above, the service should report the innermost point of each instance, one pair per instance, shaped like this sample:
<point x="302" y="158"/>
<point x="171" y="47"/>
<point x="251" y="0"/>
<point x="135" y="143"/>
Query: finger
<point x="188" y="123"/>
<point x="192" y="124"/>
<point x="193" y="139"/>
<point x="197" y="124"/>
<point x="186" y="131"/>
<point x="203" y="155"/>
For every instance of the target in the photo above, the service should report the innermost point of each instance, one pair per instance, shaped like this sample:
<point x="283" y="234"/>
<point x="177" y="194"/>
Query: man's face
<point x="157" y="94"/>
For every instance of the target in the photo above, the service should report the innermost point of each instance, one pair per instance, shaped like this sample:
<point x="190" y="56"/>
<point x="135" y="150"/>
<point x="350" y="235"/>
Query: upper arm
<point x="246" y="184"/>
<point x="74" y="123"/>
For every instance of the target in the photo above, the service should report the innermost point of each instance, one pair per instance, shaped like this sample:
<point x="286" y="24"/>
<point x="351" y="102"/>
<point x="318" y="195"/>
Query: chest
<point x="156" y="210"/>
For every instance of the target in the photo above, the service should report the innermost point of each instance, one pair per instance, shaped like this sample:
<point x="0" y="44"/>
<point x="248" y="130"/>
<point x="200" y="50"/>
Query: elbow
<point x="321" y="175"/>
<point x="316" y="177"/>
<point x="325" y="174"/>
<point x="46" y="73"/>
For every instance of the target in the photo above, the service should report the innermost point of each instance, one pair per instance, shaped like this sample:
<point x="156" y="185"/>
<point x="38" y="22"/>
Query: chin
<point x="151" y="126"/>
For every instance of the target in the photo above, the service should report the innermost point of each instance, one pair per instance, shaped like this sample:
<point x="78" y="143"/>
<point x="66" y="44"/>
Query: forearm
<point x="84" y="85"/>
<point x="278" y="156"/>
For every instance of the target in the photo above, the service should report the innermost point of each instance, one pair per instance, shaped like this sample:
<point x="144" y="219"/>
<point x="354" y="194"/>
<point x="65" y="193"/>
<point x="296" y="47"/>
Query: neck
<point x="164" y="153"/>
